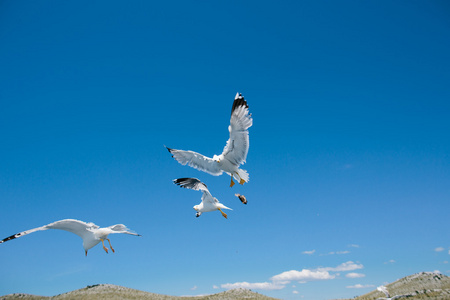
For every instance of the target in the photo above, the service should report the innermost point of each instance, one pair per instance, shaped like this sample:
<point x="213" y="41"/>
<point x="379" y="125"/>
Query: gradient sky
<point x="349" y="156"/>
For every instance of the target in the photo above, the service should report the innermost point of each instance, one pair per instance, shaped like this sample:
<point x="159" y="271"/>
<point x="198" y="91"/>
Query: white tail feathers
<point x="242" y="175"/>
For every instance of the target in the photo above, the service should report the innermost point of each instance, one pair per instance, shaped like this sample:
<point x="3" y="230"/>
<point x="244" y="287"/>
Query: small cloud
<point x="253" y="286"/>
<point x="445" y="262"/>
<point x="343" y="252"/>
<point x="347" y="266"/>
<point x="439" y="249"/>
<point x="448" y="252"/>
<point x="355" y="275"/>
<point x="303" y="275"/>
<point x="194" y="288"/>
<point x="354" y="246"/>
<point x="390" y="262"/>
<point x="215" y="287"/>
<point x="309" y="252"/>
<point x="360" y="286"/>
<point x="294" y="292"/>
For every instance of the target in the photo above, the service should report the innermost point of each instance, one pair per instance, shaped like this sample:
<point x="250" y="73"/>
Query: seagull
<point x="388" y="297"/>
<point x="89" y="232"/>
<point x="209" y="203"/>
<point x="235" y="152"/>
<point x="242" y="198"/>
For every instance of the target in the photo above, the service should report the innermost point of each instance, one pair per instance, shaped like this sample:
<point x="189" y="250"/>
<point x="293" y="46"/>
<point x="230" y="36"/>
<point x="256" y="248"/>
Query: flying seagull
<point x="388" y="297"/>
<point x="242" y="198"/>
<point x="209" y="203"/>
<point x="89" y="232"/>
<point x="235" y="152"/>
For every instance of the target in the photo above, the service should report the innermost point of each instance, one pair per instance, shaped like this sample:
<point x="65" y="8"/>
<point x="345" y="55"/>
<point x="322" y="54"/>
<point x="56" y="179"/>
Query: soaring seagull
<point x="89" y="232"/>
<point x="235" y="152"/>
<point x="388" y="297"/>
<point x="209" y="203"/>
<point x="242" y="198"/>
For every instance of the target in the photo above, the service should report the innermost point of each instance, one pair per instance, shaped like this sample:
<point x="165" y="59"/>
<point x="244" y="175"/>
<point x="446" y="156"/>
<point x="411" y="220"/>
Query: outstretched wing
<point x="196" y="160"/>
<point x="74" y="226"/>
<point x="237" y="145"/>
<point x="120" y="228"/>
<point x="383" y="289"/>
<point x="195" y="184"/>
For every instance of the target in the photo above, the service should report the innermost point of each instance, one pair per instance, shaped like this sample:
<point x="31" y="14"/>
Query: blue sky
<point x="349" y="150"/>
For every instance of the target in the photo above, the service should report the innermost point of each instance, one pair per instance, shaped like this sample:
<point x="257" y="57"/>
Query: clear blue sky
<point x="349" y="150"/>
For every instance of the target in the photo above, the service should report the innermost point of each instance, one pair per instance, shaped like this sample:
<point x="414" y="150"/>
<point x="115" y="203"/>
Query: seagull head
<point x="216" y="158"/>
<point x="196" y="207"/>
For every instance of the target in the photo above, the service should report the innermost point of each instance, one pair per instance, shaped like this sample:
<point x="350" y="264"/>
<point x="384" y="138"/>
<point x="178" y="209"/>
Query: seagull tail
<point x="243" y="174"/>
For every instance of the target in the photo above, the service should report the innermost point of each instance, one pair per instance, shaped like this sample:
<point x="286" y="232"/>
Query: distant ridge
<point x="115" y="292"/>
<point x="424" y="285"/>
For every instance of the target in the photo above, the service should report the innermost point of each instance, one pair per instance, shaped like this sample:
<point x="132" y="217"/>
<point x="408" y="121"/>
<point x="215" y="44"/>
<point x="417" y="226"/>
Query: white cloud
<point x="347" y="266"/>
<point x="215" y="287"/>
<point x="303" y="275"/>
<point x="194" y="288"/>
<point x="343" y="252"/>
<point x="355" y="275"/>
<point x="360" y="286"/>
<point x="390" y="262"/>
<point x="448" y="252"/>
<point x="439" y="249"/>
<point x="354" y="246"/>
<point x="309" y="252"/>
<point x="294" y="292"/>
<point x="254" y="286"/>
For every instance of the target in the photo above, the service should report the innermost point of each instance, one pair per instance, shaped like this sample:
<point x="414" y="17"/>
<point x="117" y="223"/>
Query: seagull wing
<point x="237" y="145"/>
<point x="74" y="226"/>
<point x="197" y="185"/>
<point x="384" y="290"/>
<point x="196" y="160"/>
<point x="120" y="228"/>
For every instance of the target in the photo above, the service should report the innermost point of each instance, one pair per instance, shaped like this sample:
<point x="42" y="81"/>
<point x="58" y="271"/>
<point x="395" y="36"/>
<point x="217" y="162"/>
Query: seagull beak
<point x="85" y="251"/>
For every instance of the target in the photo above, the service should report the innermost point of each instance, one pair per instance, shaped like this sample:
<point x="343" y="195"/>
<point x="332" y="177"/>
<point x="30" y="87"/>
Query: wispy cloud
<point x="279" y="281"/>
<point x="355" y="275"/>
<point x="194" y="288"/>
<point x="354" y="246"/>
<point x="360" y="286"/>
<point x="439" y="249"/>
<point x="254" y="286"/>
<point x="347" y="266"/>
<point x="309" y="252"/>
<point x="215" y="287"/>
<point x="343" y="252"/>
<point x="389" y="262"/>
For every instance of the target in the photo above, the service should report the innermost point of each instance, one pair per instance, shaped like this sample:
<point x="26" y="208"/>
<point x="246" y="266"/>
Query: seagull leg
<point x="241" y="181"/>
<point x="232" y="182"/>
<point x="223" y="214"/>
<point x="110" y="246"/>
<point x="104" y="248"/>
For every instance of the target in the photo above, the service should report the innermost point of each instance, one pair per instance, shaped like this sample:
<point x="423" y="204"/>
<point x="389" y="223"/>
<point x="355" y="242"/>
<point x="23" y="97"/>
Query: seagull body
<point x="388" y="296"/>
<point x="209" y="203"/>
<point x="235" y="152"/>
<point x="89" y="232"/>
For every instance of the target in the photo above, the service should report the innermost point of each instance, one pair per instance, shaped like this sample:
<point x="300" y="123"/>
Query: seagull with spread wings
<point x="235" y="152"/>
<point x="388" y="296"/>
<point x="89" y="232"/>
<point x="209" y="203"/>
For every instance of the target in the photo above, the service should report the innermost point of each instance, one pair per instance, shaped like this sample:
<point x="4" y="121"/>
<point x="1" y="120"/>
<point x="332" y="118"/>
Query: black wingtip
<point x="168" y="149"/>
<point x="238" y="102"/>
<point x="10" y="237"/>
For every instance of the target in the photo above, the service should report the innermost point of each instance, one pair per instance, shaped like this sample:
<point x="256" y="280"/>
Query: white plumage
<point x="383" y="289"/>
<point x="235" y="152"/>
<point x="209" y="203"/>
<point x="89" y="232"/>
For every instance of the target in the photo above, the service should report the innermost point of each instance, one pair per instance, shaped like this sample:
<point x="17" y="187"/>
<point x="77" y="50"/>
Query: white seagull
<point x="235" y="152"/>
<point x="388" y="297"/>
<point x="89" y="232"/>
<point x="209" y="203"/>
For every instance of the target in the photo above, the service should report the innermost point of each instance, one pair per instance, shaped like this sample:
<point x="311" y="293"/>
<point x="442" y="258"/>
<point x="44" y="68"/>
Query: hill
<point x="114" y="292"/>
<point x="424" y="285"/>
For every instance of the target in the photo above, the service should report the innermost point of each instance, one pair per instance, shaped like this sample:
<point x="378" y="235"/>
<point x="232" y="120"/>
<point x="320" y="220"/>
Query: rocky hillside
<point x="114" y="292"/>
<point x="423" y="285"/>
